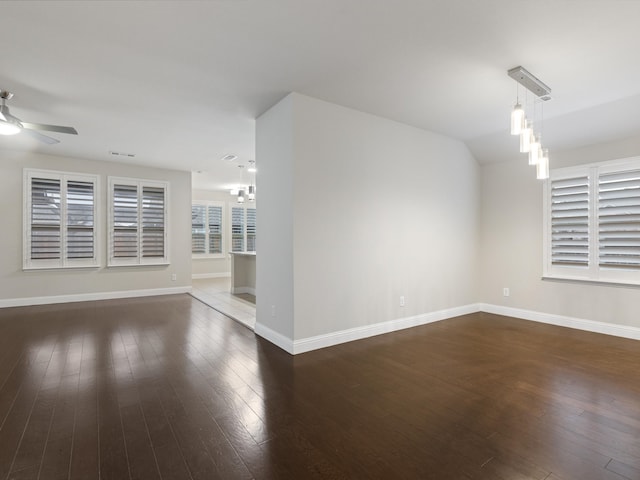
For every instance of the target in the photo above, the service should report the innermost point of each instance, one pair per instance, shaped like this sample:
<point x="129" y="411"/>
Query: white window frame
<point x="593" y="272"/>
<point x="244" y="208"/>
<point x="63" y="262"/>
<point x="139" y="260"/>
<point x="207" y="204"/>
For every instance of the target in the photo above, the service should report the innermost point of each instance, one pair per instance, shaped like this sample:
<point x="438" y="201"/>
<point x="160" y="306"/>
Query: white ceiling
<point x="179" y="83"/>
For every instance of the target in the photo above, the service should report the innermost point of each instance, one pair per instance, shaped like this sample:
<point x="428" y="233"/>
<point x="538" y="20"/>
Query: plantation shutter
<point x="80" y="220"/>
<point x="251" y="229"/>
<point x="570" y="221"/>
<point x="198" y="232"/>
<point x="215" y="229"/>
<point x="46" y="239"/>
<point x="125" y="221"/>
<point x="153" y="205"/>
<point x="237" y="229"/>
<point x="138" y="222"/>
<point x="619" y="219"/>
<point x="60" y="228"/>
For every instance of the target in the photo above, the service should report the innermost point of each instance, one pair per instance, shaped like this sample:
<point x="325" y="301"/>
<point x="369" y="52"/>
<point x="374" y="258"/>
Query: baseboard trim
<point x="564" y="321"/>
<point x="241" y="290"/>
<point x="274" y="337"/>
<point x="85" y="297"/>
<point x="358" y="333"/>
<point x="199" y="276"/>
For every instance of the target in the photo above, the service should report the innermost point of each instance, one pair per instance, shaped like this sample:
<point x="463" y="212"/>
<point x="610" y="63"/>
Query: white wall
<point x="511" y="244"/>
<point x="22" y="287"/>
<point x="380" y="210"/>
<point x="274" y="228"/>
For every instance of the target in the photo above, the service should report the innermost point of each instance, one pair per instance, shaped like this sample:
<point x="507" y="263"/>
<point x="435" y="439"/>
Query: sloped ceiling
<point x="180" y="83"/>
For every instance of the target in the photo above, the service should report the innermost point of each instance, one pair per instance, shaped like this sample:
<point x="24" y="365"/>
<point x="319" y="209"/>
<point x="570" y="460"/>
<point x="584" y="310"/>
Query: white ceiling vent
<point x="122" y="154"/>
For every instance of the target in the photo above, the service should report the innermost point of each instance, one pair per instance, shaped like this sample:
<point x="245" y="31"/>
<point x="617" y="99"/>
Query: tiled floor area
<point x="216" y="292"/>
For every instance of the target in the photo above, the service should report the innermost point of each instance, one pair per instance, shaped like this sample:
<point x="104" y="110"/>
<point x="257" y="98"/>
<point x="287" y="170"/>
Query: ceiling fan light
<point x="9" y="128"/>
<point x="517" y="119"/>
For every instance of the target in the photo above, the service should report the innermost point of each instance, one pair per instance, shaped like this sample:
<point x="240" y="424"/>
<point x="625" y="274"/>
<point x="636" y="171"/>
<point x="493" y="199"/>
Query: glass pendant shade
<point x="542" y="167"/>
<point x="252" y="193"/>
<point x="525" y="138"/>
<point x="518" y="121"/>
<point x="535" y="151"/>
<point x="240" y="196"/>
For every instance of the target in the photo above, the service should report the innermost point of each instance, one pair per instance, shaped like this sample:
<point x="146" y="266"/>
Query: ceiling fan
<point x="10" y="125"/>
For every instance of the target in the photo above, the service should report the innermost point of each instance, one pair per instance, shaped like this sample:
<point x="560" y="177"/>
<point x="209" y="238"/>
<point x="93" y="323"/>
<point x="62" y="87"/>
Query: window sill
<point x="158" y="264"/>
<point x="604" y="283"/>
<point x="58" y="267"/>
<point x="208" y="256"/>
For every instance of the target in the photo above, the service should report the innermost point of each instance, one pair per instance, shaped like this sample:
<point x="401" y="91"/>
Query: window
<point x="592" y="222"/>
<point x="60" y="220"/>
<point x="206" y="228"/>
<point x="243" y="229"/>
<point x="251" y="229"/>
<point x="137" y="222"/>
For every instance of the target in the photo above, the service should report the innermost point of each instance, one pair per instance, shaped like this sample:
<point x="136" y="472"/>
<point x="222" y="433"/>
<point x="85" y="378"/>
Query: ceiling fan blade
<point x="49" y="128"/>
<point x="41" y="137"/>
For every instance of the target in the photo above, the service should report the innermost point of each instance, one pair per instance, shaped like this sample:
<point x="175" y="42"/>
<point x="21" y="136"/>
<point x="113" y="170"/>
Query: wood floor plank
<point x="114" y="463"/>
<point x="166" y="388"/>
<point x="85" y="459"/>
<point x="56" y="459"/>
<point x="623" y="469"/>
<point x="36" y="433"/>
<point x="18" y="418"/>
<point x="142" y="460"/>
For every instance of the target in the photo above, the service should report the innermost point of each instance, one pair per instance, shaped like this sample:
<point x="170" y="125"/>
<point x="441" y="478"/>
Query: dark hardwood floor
<point x="166" y="388"/>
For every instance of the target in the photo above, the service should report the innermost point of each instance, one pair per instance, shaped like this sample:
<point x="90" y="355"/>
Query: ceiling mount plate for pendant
<point x="530" y="82"/>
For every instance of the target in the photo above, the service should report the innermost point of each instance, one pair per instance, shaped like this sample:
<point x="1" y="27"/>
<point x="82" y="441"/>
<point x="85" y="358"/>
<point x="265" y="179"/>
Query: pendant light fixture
<point x="535" y="150"/>
<point x="252" y="188"/>
<point x="518" y="121"/>
<point x="530" y="141"/>
<point x="525" y="137"/>
<point x="542" y="167"/>
<point x="244" y="192"/>
<point x="240" y="198"/>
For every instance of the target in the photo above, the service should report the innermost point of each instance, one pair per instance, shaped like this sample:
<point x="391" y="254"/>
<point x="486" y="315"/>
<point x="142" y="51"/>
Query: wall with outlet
<point x="511" y="244"/>
<point x="381" y="218"/>
<point x="18" y="287"/>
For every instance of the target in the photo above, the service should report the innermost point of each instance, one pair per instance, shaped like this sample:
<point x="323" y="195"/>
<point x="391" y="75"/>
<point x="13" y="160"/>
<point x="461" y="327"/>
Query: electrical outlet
<point x="402" y="300"/>
<point x="174" y="277"/>
<point x="505" y="291"/>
